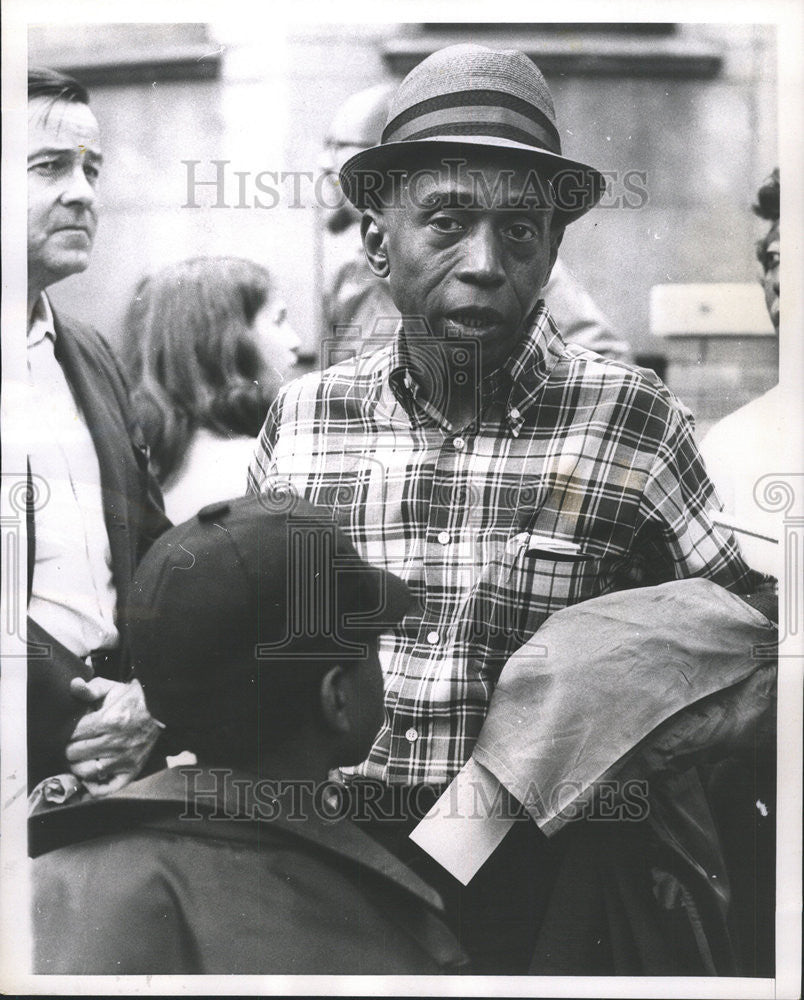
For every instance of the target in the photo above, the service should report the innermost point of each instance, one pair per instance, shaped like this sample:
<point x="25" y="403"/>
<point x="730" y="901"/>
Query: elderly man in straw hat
<point x="503" y="474"/>
<point x="357" y="304"/>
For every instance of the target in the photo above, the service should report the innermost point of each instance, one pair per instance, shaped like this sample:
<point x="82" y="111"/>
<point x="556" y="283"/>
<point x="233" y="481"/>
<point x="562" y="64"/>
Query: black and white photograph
<point x="402" y="499"/>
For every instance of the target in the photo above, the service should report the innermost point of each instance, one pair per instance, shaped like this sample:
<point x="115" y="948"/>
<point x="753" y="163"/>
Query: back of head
<point x="239" y="613"/>
<point x="192" y="354"/>
<point x="359" y="121"/>
<point x="356" y="125"/>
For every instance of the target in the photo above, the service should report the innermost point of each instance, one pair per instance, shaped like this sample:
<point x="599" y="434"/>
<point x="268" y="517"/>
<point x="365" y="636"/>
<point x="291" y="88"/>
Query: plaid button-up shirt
<point x="579" y="477"/>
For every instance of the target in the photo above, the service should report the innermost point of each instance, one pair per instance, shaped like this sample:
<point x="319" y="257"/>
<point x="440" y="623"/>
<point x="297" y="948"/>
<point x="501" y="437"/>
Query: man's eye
<point x="521" y="232"/>
<point x="47" y="168"/>
<point x="91" y="173"/>
<point x="445" y="224"/>
<point x="771" y="261"/>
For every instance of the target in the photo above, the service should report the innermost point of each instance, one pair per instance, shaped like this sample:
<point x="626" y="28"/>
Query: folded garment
<point x="582" y="697"/>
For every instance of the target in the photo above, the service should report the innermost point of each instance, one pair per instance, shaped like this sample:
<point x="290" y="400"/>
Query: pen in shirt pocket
<point x="535" y="544"/>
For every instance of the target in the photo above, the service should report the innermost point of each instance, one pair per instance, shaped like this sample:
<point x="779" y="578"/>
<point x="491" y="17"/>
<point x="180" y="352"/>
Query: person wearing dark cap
<point x="503" y="474"/>
<point x="254" y="635"/>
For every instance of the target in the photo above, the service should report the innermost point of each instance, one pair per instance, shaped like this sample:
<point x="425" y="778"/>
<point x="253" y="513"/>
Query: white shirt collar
<point x="42" y="322"/>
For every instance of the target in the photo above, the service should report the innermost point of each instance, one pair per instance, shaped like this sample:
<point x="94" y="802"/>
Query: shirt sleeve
<point x="262" y="465"/>
<point x="720" y="458"/>
<point x="676" y="536"/>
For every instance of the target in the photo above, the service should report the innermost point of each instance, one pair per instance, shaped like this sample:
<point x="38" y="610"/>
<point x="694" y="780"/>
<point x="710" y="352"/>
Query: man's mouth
<point x="475" y="317"/>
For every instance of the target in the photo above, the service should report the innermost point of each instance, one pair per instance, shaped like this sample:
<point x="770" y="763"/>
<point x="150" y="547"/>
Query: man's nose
<point x="482" y="258"/>
<point x="292" y="339"/>
<point x="78" y="189"/>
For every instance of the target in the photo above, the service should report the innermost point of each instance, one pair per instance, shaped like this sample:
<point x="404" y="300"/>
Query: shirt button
<point x="515" y="414"/>
<point x="443" y="537"/>
<point x="432" y="638"/>
<point x="412" y="735"/>
<point x="459" y="444"/>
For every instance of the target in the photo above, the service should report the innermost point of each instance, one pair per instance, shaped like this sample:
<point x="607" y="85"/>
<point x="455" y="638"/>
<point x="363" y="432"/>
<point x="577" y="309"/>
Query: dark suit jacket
<point x="165" y="878"/>
<point x="134" y="515"/>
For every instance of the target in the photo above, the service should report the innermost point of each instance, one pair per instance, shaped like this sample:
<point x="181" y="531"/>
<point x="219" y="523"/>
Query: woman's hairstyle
<point x="767" y="207"/>
<point x="193" y="357"/>
<point x="767" y="203"/>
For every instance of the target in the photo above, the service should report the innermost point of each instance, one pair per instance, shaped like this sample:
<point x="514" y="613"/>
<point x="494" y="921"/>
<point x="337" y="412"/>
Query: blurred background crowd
<point x="227" y="263"/>
<point x="217" y="138"/>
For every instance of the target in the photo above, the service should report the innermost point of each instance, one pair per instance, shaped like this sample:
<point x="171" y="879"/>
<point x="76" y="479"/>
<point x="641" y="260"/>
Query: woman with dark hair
<point x="207" y="345"/>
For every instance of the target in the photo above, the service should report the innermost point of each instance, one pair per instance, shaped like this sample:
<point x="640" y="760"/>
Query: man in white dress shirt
<point x="102" y="508"/>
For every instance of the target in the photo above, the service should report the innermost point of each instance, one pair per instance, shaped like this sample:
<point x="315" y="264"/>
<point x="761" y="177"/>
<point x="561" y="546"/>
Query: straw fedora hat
<point x="470" y="96"/>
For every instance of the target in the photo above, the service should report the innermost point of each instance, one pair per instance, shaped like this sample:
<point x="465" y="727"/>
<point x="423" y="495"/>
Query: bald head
<point x="359" y="121"/>
<point x="356" y="125"/>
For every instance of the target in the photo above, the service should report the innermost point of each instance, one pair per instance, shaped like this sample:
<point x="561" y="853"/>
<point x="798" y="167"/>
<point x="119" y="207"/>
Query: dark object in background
<point x="53" y="711"/>
<point x="742" y="795"/>
<point x="655" y="362"/>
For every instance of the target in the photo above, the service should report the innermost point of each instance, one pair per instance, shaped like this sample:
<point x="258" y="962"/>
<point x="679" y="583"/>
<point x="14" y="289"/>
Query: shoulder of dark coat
<point x="98" y="354"/>
<point x="83" y="334"/>
<point x="162" y="801"/>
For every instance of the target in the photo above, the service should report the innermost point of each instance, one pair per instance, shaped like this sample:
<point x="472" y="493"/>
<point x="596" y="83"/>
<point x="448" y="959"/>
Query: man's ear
<point x="374" y="233"/>
<point x="556" y="236"/>
<point x="334" y="700"/>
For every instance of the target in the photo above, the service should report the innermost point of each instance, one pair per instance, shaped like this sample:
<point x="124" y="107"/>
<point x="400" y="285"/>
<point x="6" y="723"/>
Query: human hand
<point x="111" y="743"/>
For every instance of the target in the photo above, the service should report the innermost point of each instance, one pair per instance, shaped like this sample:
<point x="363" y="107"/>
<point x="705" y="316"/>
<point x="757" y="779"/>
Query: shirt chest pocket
<point x="529" y="575"/>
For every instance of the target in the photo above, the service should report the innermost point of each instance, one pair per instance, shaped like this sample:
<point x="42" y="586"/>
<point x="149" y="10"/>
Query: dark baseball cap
<point x="244" y="587"/>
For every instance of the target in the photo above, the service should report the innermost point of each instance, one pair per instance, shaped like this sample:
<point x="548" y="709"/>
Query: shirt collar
<point x="518" y="381"/>
<point x="404" y="384"/>
<point x="529" y="367"/>
<point x="42" y="322"/>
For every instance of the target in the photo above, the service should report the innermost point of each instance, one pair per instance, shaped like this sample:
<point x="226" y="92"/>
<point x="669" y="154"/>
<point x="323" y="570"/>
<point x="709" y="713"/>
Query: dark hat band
<point x="497" y="129"/>
<point x="475" y="112"/>
<point x="468" y="97"/>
